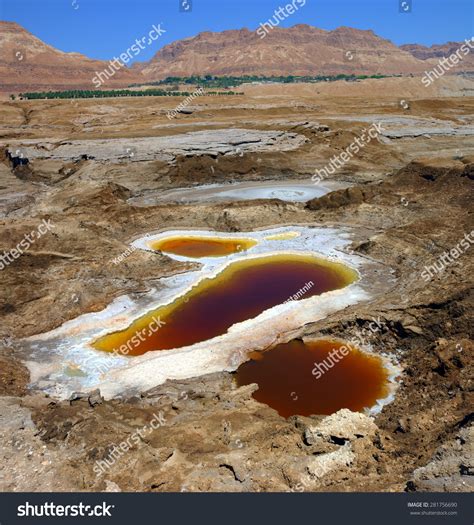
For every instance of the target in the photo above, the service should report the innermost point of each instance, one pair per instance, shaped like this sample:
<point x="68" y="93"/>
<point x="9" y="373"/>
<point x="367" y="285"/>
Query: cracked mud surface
<point x="412" y="198"/>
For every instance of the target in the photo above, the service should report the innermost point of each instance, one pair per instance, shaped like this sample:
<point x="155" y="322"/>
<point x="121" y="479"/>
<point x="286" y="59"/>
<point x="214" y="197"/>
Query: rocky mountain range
<point x="299" y="50"/>
<point x="438" y="51"/>
<point x="27" y="63"/>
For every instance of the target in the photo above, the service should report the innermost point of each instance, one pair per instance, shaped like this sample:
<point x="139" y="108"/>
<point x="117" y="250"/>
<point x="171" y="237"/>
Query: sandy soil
<point x="411" y="197"/>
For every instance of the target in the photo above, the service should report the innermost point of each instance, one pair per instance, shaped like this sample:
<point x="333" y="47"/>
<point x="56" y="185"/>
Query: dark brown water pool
<point x="193" y="246"/>
<point x="318" y="377"/>
<point x="243" y="290"/>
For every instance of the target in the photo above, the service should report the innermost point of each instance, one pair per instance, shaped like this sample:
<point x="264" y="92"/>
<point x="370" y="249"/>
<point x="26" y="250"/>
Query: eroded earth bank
<point x="104" y="173"/>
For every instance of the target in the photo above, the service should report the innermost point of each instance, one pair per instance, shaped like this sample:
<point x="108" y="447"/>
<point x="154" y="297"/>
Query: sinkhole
<point x="315" y="378"/>
<point x="196" y="247"/>
<point x="241" y="291"/>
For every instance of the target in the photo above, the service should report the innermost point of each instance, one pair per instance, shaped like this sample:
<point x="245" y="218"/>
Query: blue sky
<point x="104" y="28"/>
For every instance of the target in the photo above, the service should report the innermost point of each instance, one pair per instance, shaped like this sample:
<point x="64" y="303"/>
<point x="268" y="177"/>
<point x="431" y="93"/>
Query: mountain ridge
<point x="28" y="63"/>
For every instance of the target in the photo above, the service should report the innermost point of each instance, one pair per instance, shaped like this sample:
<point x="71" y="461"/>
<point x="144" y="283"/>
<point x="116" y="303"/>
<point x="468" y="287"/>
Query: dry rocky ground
<point x="413" y="195"/>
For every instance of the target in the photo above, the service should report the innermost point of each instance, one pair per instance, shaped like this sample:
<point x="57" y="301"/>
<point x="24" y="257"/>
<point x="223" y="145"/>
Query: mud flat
<point x="410" y="203"/>
<point x="406" y="125"/>
<point x="291" y="191"/>
<point x="232" y="141"/>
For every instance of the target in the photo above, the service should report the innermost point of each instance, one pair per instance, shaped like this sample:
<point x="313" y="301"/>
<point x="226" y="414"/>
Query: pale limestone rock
<point x="325" y="463"/>
<point x="344" y="425"/>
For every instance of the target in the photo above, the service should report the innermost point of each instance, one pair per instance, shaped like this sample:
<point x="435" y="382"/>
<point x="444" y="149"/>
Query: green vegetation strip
<point x="86" y="93"/>
<point x="211" y="81"/>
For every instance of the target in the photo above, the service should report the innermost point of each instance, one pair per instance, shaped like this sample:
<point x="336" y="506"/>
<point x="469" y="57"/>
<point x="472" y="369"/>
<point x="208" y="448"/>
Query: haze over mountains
<point x="27" y="63"/>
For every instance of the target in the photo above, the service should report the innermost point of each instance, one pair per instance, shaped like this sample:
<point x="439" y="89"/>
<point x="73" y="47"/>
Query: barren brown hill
<point x="299" y="50"/>
<point x="27" y="63"/>
<point x="438" y="51"/>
